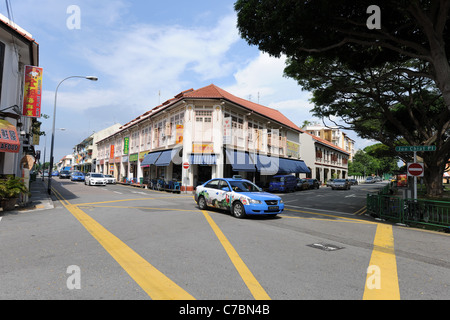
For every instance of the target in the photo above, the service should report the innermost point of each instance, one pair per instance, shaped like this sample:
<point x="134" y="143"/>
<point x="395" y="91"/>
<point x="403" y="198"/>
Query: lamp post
<point x="91" y="78"/>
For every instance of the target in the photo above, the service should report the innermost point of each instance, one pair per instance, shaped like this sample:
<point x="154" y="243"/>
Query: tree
<point x="373" y="160"/>
<point x="390" y="84"/>
<point x="409" y="29"/>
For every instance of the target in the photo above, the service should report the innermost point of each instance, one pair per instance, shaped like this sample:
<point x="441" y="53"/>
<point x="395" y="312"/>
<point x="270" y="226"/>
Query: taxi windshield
<point x="244" y="186"/>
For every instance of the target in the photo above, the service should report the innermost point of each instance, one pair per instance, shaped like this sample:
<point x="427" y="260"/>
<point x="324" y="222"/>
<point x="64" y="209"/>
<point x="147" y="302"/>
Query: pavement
<point x="39" y="199"/>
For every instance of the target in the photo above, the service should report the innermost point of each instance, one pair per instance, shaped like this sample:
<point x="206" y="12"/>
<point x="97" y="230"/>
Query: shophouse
<point x="17" y="50"/>
<point x="85" y="153"/>
<point x="203" y="134"/>
<point x="324" y="159"/>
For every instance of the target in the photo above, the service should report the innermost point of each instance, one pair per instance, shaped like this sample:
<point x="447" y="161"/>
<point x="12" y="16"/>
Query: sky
<point x="145" y="52"/>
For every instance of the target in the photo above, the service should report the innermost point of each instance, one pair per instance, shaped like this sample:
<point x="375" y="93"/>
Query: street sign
<point x="415" y="148"/>
<point x="415" y="169"/>
<point x="186" y="165"/>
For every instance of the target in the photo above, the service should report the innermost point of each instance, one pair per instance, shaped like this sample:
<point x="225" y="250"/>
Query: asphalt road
<point x="126" y="243"/>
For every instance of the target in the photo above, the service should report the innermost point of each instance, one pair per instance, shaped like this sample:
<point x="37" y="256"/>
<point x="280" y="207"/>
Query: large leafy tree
<point x="390" y="84"/>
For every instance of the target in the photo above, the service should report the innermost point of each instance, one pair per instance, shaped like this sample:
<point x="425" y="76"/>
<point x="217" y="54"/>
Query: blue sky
<point x="145" y="52"/>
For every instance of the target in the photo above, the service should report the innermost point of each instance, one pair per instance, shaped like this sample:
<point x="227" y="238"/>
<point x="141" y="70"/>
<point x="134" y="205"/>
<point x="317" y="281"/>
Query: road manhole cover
<point x="325" y="247"/>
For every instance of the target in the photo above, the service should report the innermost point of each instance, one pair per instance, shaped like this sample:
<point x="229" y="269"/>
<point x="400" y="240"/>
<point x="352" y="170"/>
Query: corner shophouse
<point x="203" y="134"/>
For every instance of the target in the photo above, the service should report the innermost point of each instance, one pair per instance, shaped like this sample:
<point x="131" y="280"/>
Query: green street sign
<point x="415" y="148"/>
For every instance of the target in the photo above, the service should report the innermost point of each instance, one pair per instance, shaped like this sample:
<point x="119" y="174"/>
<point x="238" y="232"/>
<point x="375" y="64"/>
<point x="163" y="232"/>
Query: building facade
<point x="203" y="134"/>
<point x="17" y="50"/>
<point x="324" y="159"/>
<point x="333" y="135"/>
<point x="85" y="154"/>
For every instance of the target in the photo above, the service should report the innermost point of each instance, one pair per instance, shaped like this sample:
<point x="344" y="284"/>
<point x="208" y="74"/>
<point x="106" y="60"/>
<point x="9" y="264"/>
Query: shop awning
<point x="267" y="165"/>
<point x="150" y="159"/>
<point x="292" y="166"/>
<point x="204" y="159"/>
<point x="240" y="161"/>
<point x="9" y="140"/>
<point x="164" y="159"/>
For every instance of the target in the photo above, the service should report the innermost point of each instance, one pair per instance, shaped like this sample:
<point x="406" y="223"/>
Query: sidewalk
<point x="38" y="199"/>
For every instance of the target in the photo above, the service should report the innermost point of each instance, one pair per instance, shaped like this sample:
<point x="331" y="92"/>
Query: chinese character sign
<point x="32" y="94"/>
<point x="126" y="145"/>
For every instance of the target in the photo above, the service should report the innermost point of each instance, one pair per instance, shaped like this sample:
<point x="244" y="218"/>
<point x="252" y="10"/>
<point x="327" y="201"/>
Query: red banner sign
<point x="32" y="94"/>
<point x="9" y="141"/>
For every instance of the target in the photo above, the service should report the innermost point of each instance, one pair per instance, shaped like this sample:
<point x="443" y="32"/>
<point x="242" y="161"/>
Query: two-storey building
<point x="203" y="134"/>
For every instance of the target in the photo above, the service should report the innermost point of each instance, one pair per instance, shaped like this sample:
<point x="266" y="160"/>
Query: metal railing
<point x="409" y="211"/>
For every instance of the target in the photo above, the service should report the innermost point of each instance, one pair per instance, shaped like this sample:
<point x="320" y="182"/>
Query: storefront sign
<point x="227" y="130"/>
<point x="202" y="148"/>
<point x="179" y="134"/>
<point x="126" y="145"/>
<point x="134" y="157"/>
<point x="9" y="141"/>
<point x="143" y="154"/>
<point x="32" y="94"/>
<point x="293" y="149"/>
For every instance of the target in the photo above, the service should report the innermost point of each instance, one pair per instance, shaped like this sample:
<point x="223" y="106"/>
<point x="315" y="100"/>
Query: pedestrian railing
<point x="409" y="211"/>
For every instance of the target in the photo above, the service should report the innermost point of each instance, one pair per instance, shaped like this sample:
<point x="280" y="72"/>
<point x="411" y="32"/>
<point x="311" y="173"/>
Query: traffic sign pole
<point x="415" y="178"/>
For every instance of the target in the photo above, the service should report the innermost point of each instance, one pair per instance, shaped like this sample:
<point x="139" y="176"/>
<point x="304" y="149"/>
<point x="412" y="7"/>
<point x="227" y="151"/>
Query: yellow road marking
<point x="361" y="211"/>
<point x="330" y="215"/>
<point x="131" y="207"/>
<point x="151" y="280"/>
<point x="252" y="284"/>
<point x="125" y="200"/>
<point x="382" y="278"/>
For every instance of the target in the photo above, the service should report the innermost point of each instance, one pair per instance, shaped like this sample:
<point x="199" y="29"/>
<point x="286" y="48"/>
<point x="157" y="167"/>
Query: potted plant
<point x="10" y="189"/>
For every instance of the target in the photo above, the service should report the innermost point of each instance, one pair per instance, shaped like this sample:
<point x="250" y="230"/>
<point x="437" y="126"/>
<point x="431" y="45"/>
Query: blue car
<point x="77" y="176"/>
<point x="239" y="196"/>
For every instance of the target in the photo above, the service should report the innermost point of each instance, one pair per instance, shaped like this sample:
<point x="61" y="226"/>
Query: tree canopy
<point x="390" y="84"/>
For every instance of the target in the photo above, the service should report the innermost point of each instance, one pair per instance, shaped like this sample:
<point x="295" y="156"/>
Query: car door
<point x="209" y="192"/>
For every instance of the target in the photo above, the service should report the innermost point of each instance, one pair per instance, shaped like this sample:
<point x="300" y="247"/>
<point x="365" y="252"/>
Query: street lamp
<point x="91" y="78"/>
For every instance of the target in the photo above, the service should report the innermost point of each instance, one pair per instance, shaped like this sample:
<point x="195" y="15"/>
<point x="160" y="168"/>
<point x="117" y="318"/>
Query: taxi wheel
<point x="238" y="210"/>
<point x="201" y="203"/>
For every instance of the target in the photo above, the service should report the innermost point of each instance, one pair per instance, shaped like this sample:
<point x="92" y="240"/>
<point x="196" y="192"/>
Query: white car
<point x="110" y="179"/>
<point x="95" y="179"/>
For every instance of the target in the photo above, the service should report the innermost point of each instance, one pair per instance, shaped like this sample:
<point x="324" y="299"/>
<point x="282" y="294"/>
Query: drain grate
<point x="325" y="247"/>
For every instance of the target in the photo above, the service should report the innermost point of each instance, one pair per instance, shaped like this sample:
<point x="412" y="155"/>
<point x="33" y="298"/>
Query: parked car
<point x="55" y="173"/>
<point x="94" y="179"/>
<point x="370" y="180"/>
<point x="340" y="184"/>
<point x="110" y="179"/>
<point x="64" y="174"/>
<point x="239" y="196"/>
<point x="312" y="183"/>
<point x="353" y="182"/>
<point x="302" y="184"/>
<point x="283" y="183"/>
<point x="77" y="176"/>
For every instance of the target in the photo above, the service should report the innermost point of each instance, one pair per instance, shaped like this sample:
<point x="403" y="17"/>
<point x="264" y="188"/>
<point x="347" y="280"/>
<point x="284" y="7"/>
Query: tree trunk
<point x="433" y="180"/>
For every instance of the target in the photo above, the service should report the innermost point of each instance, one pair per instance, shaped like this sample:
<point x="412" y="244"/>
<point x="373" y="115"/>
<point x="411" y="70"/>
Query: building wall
<point x="203" y="131"/>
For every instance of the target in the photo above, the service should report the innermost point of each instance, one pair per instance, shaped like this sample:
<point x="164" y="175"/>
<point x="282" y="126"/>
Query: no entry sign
<point x="415" y="169"/>
<point x="186" y="165"/>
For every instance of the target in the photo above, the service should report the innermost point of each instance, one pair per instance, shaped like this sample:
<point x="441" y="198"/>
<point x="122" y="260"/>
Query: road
<point x="125" y="243"/>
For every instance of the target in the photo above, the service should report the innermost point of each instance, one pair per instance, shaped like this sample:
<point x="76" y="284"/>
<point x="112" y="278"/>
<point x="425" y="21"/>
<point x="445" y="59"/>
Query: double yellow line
<point x="361" y="211"/>
<point x="151" y="280"/>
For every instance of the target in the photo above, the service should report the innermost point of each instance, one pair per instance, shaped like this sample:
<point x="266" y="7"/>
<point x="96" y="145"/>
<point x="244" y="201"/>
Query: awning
<point x="240" y="161"/>
<point x="150" y="159"/>
<point x="292" y="166"/>
<point x="9" y="140"/>
<point x="274" y="165"/>
<point x="267" y="165"/>
<point x="164" y="159"/>
<point x="205" y="159"/>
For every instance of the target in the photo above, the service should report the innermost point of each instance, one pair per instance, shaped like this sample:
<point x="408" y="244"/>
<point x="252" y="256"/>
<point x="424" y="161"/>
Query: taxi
<point x="239" y="196"/>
